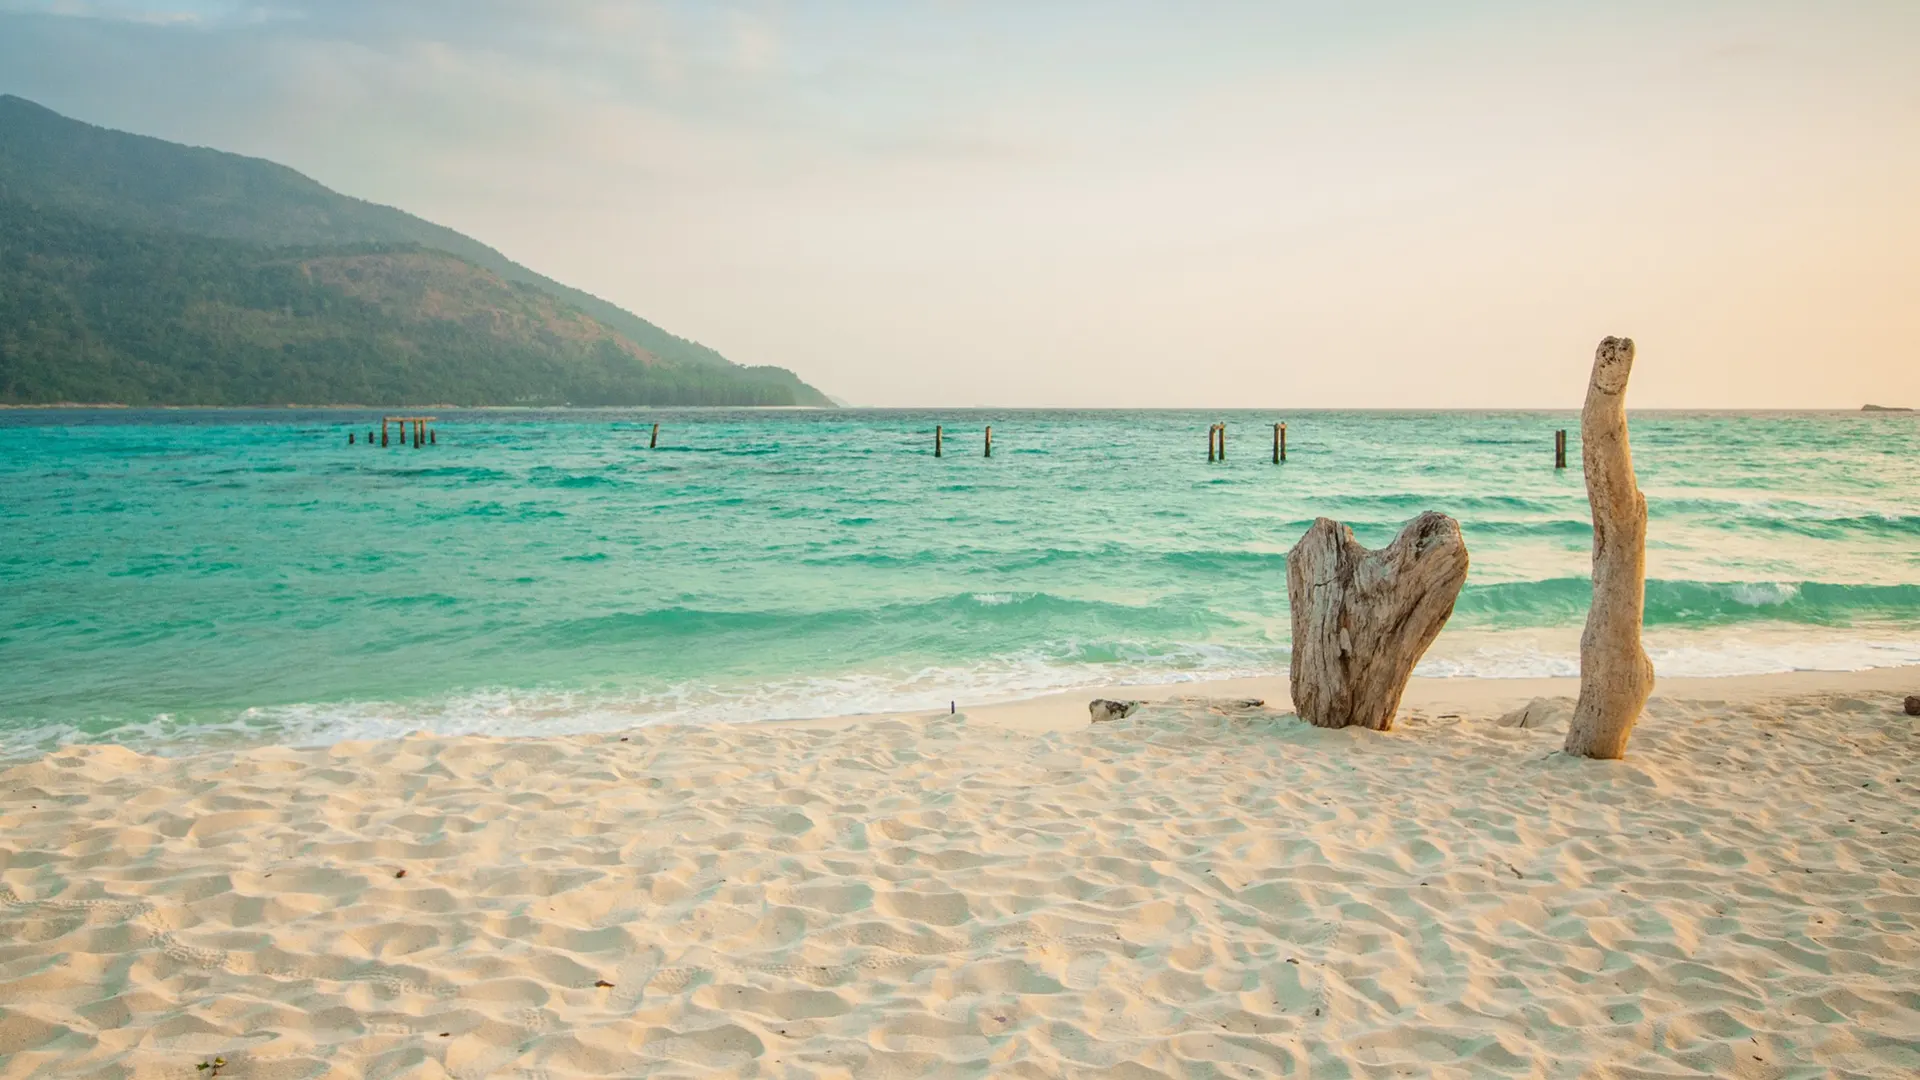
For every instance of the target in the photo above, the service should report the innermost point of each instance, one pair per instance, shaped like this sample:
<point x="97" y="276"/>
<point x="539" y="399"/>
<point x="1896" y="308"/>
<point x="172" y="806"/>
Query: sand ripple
<point x="1190" y="892"/>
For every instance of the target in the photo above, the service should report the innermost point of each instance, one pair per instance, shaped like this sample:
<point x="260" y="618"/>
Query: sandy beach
<point x="1198" y="890"/>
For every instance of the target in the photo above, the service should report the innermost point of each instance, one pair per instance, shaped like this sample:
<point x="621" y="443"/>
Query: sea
<point x="176" y="579"/>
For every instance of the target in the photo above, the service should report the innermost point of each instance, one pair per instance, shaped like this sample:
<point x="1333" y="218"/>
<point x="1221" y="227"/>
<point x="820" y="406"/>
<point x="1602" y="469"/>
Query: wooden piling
<point x="349" y="438"/>
<point x="432" y="440"/>
<point x="937" y="434"/>
<point x="1212" y="432"/>
<point x="1560" y="449"/>
<point x="413" y="430"/>
<point x="989" y="440"/>
<point x="1276" y="444"/>
<point x="655" y="440"/>
<point x="1283" y="443"/>
<point x="1223" y="441"/>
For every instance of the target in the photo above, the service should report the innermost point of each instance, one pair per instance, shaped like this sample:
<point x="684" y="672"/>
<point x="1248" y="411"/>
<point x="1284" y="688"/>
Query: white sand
<point x="1189" y="892"/>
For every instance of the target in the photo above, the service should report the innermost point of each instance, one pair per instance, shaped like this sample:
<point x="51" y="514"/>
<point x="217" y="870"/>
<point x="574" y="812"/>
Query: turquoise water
<point x="167" y="577"/>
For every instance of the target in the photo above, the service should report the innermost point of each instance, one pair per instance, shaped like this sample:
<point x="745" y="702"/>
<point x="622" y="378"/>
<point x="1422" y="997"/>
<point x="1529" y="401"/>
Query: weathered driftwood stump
<point x="1104" y="710"/>
<point x="1615" y="674"/>
<point x="1361" y="619"/>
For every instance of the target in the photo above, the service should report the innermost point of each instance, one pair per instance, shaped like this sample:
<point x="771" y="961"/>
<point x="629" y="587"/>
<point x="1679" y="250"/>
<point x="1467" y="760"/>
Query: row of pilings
<point x="418" y="431"/>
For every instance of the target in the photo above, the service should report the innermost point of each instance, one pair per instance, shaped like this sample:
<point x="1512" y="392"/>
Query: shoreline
<point x="1067" y="709"/>
<point x="1057" y="710"/>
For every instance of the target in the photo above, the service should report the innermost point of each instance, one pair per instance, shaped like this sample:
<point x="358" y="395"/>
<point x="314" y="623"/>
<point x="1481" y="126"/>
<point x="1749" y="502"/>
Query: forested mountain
<point x="98" y="313"/>
<point x="137" y="270"/>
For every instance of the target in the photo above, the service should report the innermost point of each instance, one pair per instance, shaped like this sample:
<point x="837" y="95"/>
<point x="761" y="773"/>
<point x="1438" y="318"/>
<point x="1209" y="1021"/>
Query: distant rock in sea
<point x="1884" y="408"/>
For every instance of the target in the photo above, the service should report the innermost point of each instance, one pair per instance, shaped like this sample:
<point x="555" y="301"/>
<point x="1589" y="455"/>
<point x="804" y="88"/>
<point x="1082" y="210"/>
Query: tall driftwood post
<point x="1223" y="440"/>
<point x="1283" y="442"/>
<point x="654" y="439"/>
<point x="989" y="452"/>
<point x="1560" y="449"/>
<point x="937" y="436"/>
<point x="1362" y="619"/>
<point x="1615" y="674"/>
<point x="1212" y="430"/>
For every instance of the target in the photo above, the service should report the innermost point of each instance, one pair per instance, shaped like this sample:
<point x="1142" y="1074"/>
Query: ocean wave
<point x="956" y="612"/>
<point x="1825" y="519"/>
<point x="1559" y="601"/>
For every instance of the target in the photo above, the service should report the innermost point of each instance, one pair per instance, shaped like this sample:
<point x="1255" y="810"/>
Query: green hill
<point x="97" y="313"/>
<point x="126" y="206"/>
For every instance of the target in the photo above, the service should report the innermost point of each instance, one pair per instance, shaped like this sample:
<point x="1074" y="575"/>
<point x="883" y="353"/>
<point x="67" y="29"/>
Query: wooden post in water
<point x="383" y="431"/>
<point x="1212" y="431"/>
<point x="1560" y="449"/>
<point x="1283" y="442"/>
<point x="655" y="440"/>
<point x="1223" y="441"/>
<point x="349" y="438"/>
<point x="937" y="432"/>
<point x="432" y="440"/>
<point x="989" y="440"/>
<point x="1276" y="444"/>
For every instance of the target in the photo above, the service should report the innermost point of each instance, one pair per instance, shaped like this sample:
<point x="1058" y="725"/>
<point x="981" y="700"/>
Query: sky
<point x="1361" y="203"/>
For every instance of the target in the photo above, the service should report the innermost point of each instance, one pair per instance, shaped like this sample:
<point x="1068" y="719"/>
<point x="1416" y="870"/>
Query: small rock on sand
<point x="1104" y="710"/>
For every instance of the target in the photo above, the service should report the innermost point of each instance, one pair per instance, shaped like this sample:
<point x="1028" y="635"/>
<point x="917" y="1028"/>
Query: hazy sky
<point x="1117" y="203"/>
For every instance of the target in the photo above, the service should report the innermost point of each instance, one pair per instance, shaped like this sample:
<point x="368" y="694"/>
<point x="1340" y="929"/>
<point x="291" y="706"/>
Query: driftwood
<point x="1105" y="709"/>
<point x="1361" y="619"/>
<point x="1615" y="674"/>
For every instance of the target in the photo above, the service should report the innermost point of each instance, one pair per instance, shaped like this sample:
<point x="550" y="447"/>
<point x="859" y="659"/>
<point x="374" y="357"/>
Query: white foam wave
<point x="529" y="712"/>
<point x="1764" y="593"/>
<point x="509" y="712"/>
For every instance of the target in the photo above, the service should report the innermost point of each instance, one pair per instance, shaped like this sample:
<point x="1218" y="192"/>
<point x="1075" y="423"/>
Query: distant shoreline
<point x="1298" y="409"/>
<point x="290" y="407"/>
